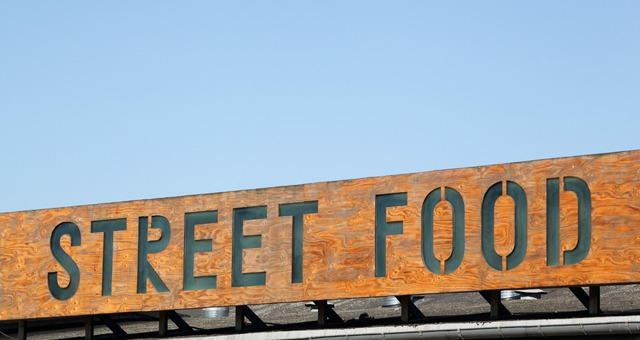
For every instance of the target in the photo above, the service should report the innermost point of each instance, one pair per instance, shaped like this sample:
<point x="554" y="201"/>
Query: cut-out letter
<point x="428" y="207"/>
<point x="193" y="246"/>
<point x="108" y="227"/>
<point x="385" y="228"/>
<point x="297" y="211"/>
<point x="515" y="191"/>
<point x="581" y="189"/>
<point x="241" y="242"/>
<point x="60" y="293"/>
<point x="145" y="247"/>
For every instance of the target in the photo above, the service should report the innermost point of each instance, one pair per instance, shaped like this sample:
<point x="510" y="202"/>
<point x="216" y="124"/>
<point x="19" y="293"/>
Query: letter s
<point x="71" y="229"/>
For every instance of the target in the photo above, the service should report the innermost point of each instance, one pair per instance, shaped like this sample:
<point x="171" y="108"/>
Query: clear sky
<point x="121" y="100"/>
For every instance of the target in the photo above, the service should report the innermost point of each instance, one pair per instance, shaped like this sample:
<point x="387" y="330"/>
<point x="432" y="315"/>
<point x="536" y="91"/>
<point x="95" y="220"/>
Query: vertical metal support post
<point x="404" y="308"/>
<point x="594" y="300"/>
<point x="243" y="312"/>
<point x="326" y="313"/>
<point x="163" y="324"/>
<point x="239" y="318"/>
<point x="495" y="304"/>
<point x="88" y="327"/>
<point x="497" y="308"/>
<point x="409" y="311"/>
<point x="22" y="329"/>
<point x="590" y="301"/>
<point x="322" y="312"/>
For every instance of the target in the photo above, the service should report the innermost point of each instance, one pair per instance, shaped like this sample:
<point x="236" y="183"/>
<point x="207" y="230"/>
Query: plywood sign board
<point x="557" y="222"/>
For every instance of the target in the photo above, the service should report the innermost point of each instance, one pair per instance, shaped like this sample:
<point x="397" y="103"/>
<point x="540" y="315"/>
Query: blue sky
<point x="121" y="100"/>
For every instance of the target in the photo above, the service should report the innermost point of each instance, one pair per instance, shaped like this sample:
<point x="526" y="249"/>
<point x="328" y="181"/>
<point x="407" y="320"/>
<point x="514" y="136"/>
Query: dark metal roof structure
<point x="558" y="313"/>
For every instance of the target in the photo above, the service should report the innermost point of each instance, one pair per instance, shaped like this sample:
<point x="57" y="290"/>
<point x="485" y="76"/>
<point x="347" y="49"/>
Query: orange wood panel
<point x="339" y="253"/>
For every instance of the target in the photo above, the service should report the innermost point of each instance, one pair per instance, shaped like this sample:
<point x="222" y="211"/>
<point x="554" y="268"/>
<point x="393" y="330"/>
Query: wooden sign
<point x="557" y="222"/>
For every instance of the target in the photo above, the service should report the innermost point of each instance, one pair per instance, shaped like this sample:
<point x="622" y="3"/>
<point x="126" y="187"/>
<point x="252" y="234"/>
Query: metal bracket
<point x="408" y="309"/>
<point x="163" y="321"/>
<point x="591" y="301"/>
<point x="108" y="321"/>
<point x="497" y="308"/>
<point x="246" y="312"/>
<point x="326" y="313"/>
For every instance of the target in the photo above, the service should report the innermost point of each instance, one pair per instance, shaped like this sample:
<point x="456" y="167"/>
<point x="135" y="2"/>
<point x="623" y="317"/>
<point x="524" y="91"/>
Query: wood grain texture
<point x="338" y="241"/>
